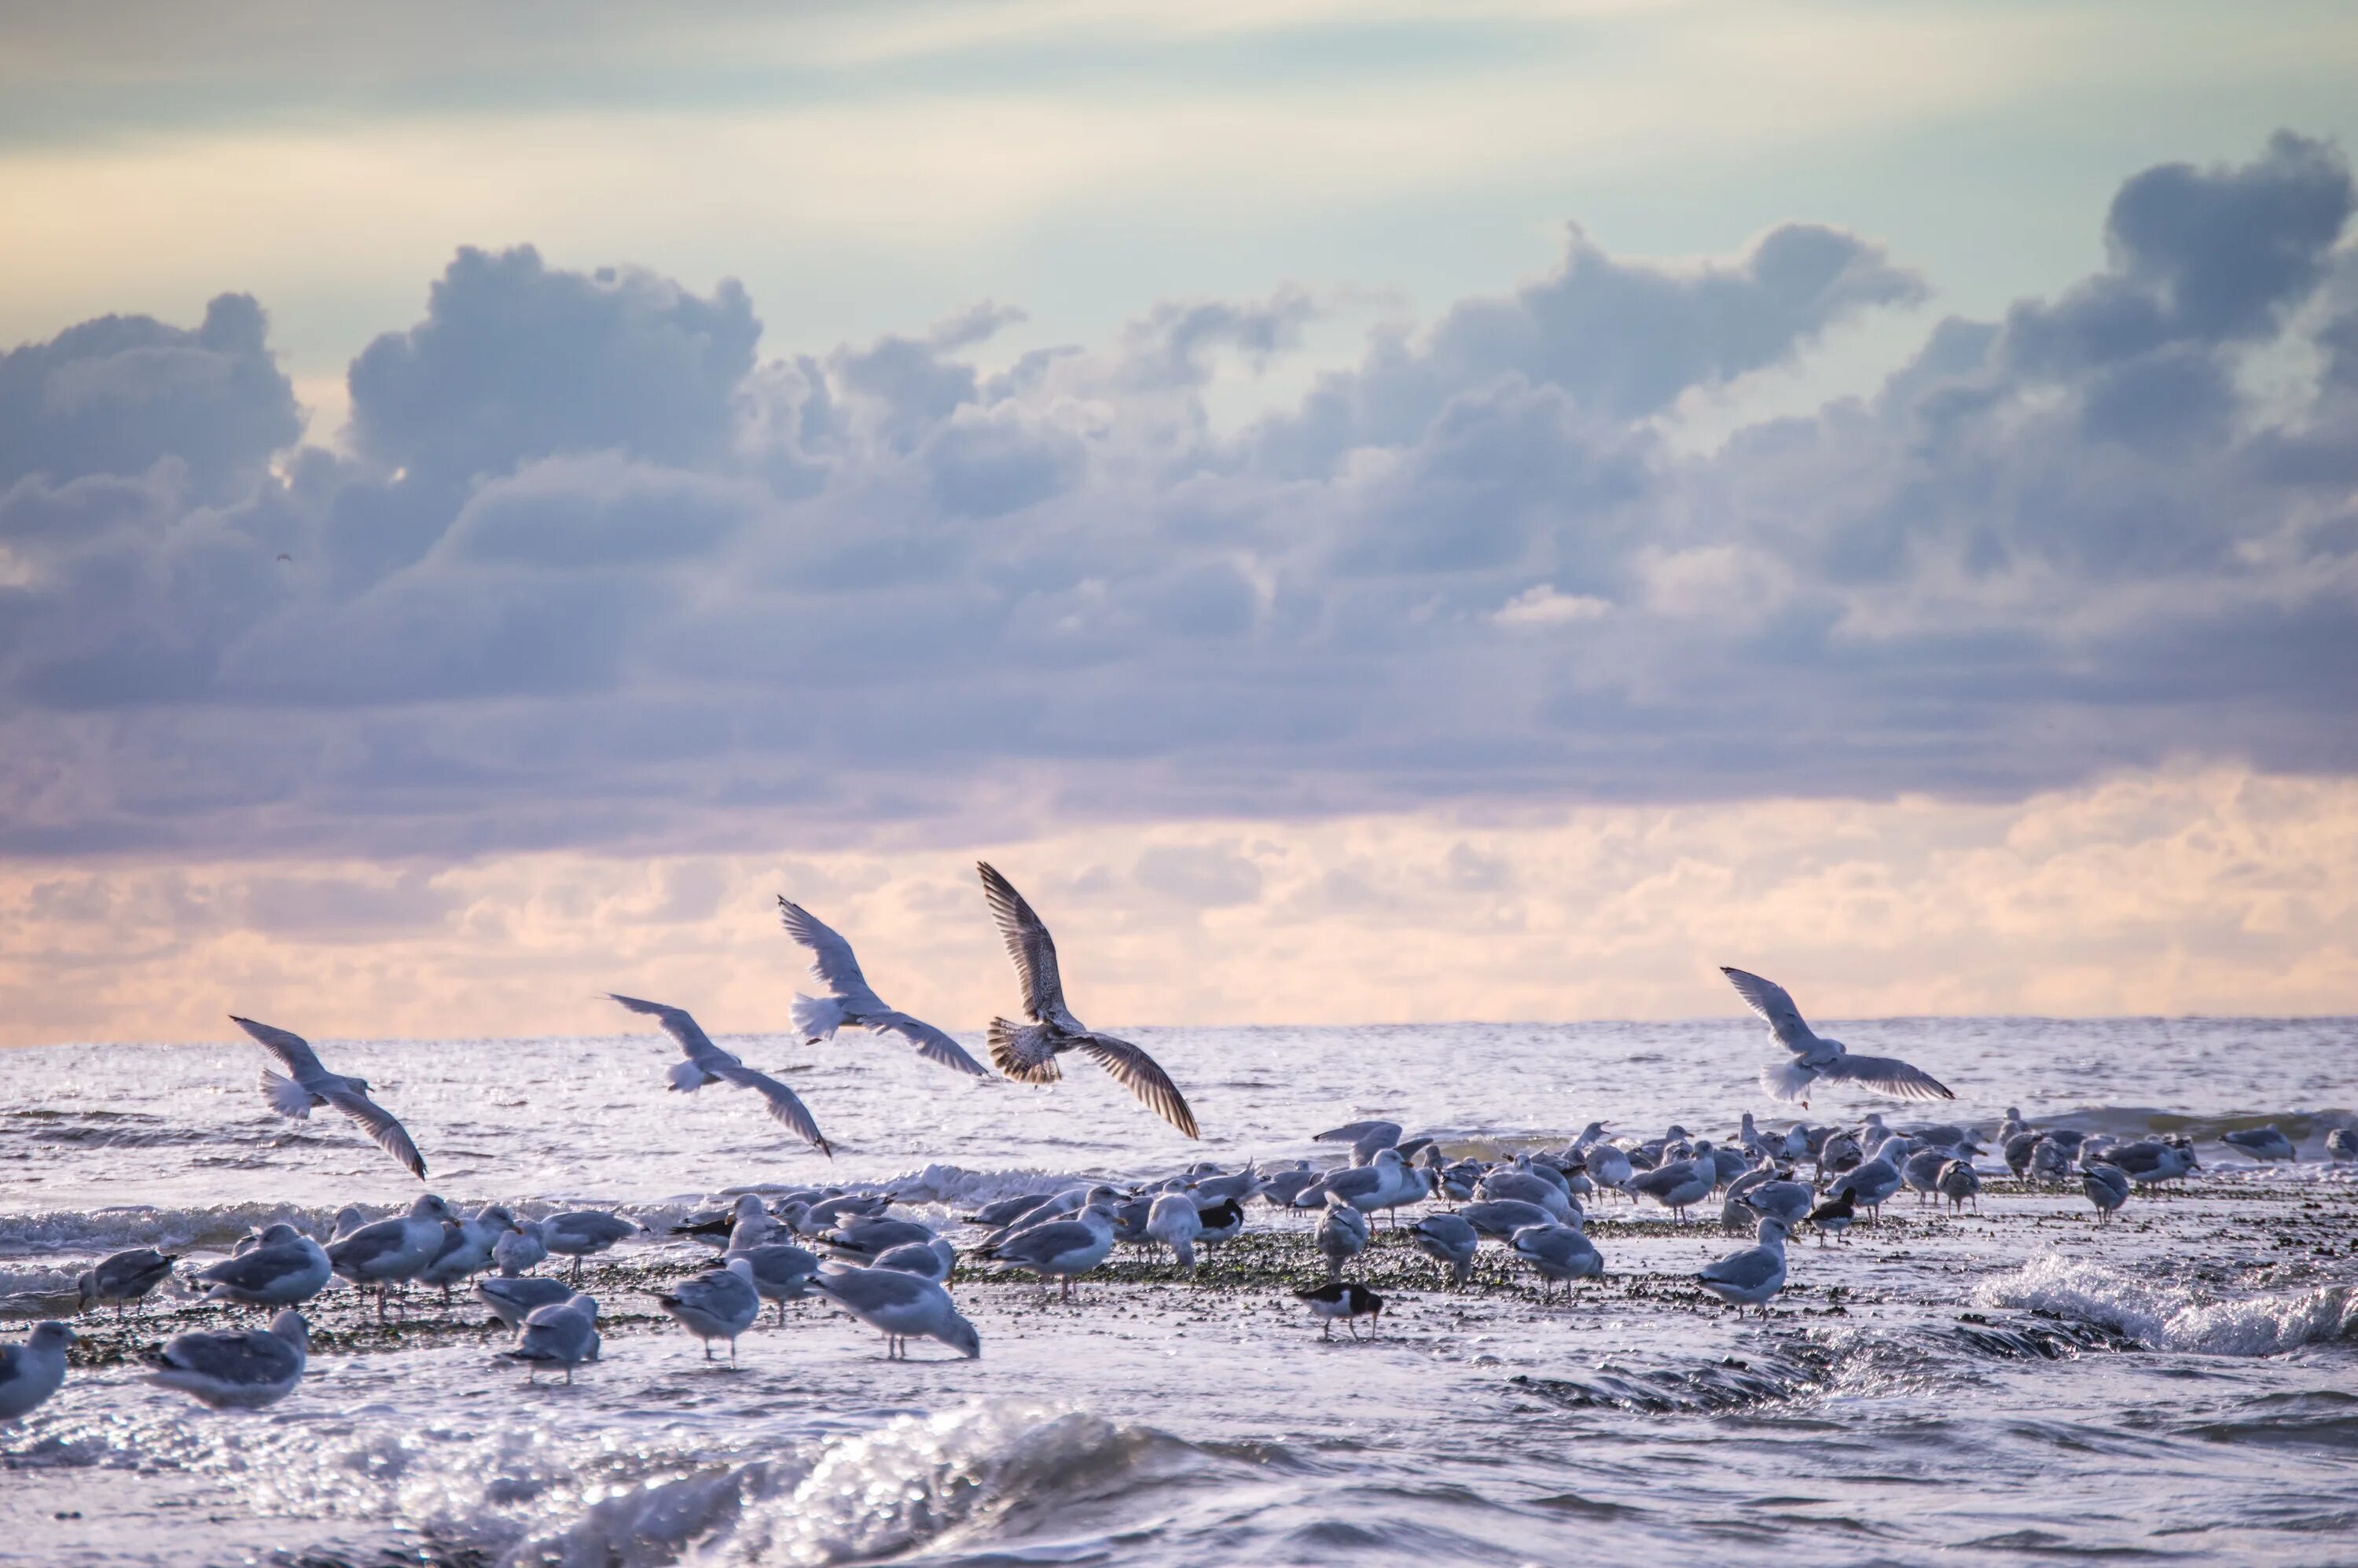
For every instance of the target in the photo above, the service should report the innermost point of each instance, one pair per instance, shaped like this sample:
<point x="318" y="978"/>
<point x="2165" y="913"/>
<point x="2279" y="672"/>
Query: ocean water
<point x="2019" y="1385"/>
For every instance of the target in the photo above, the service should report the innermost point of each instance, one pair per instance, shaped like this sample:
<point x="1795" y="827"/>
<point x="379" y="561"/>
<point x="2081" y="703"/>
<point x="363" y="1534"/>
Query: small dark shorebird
<point x="1833" y="1215"/>
<point x="1346" y="1299"/>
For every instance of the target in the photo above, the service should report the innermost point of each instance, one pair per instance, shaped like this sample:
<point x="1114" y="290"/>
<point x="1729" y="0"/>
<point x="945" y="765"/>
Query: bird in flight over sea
<point x="852" y="1000"/>
<point x="313" y="1084"/>
<point x="707" y="1063"/>
<point x="1028" y="1054"/>
<point x="1816" y="1057"/>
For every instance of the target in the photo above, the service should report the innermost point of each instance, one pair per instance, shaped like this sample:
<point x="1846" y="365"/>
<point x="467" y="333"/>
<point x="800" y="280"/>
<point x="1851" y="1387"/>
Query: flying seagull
<point x="313" y="1084"/>
<point x="1815" y="1056"/>
<point x="1028" y="1054"/>
<point x="852" y="1000"/>
<point x="707" y="1063"/>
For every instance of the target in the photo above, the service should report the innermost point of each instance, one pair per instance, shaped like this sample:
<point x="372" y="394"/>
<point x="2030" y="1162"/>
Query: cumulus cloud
<point x="596" y="575"/>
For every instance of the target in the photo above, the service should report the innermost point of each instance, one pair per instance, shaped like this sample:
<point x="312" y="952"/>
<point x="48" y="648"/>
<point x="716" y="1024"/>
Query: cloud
<point x="122" y="394"/>
<point x="515" y="361"/>
<point x="596" y="576"/>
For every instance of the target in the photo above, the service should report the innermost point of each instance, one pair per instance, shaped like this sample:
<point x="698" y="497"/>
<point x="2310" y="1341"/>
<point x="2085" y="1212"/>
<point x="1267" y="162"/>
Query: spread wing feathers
<point x="379" y="1124"/>
<point x="1028" y="943"/>
<point x="832" y="964"/>
<point x="1772" y="1002"/>
<point x="1886" y="1075"/>
<point x="675" y="1022"/>
<point x="290" y="1048"/>
<point x="1027" y="1055"/>
<point x="287" y="1097"/>
<point x="784" y="1104"/>
<point x="1134" y="1070"/>
<point x="932" y="1043"/>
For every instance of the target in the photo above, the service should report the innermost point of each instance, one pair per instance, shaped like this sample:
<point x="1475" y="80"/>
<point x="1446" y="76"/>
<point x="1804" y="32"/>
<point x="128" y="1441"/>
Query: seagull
<point x="2261" y="1143"/>
<point x="242" y="1370"/>
<point x="562" y="1333"/>
<point x="1341" y="1235"/>
<point x="313" y="1084"/>
<point x="1028" y="1054"/>
<point x="1175" y="1222"/>
<point x="900" y="1306"/>
<point x="707" y="1063"/>
<point x="935" y="1261"/>
<point x="1750" y="1277"/>
<point x="852" y="1000"/>
<point x="391" y="1252"/>
<point x="1557" y="1252"/>
<point x="720" y="1304"/>
<point x="1448" y="1240"/>
<point x="1365" y="1138"/>
<point x="285" y="1269"/>
<point x="1499" y="1219"/>
<point x="584" y="1232"/>
<point x="520" y="1250"/>
<point x="31" y="1372"/>
<point x="124" y="1277"/>
<point x="514" y="1298"/>
<point x="1815" y="1056"/>
<point x="1065" y="1248"/>
<point x="2107" y="1188"/>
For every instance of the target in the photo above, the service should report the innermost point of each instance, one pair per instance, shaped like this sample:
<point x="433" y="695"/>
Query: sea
<point x="2016" y="1385"/>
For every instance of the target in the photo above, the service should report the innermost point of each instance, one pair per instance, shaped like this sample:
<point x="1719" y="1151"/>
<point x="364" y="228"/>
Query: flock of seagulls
<point x="891" y="1272"/>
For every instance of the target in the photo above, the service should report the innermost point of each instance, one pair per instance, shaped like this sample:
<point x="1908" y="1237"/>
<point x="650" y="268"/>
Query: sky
<point x="1370" y="512"/>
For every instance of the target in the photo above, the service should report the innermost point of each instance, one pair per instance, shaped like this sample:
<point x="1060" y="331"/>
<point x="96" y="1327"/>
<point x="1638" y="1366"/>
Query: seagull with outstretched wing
<point x="707" y="1063"/>
<point x="310" y="1083"/>
<point x="1816" y="1057"/>
<point x="852" y="1000"/>
<point x="1028" y="1054"/>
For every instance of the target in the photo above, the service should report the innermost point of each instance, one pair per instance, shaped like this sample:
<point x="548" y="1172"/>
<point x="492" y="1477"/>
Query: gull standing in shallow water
<point x="852" y="1000"/>
<point x="31" y="1372"/>
<point x="1815" y="1056"/>
<point x="313" y="1084"/>
<point x="1750" y="1277"/>
<point x="562" y="1333"/>
<point x="899" y="1306"/>
<point x="124" y="1277"/>
<point x="240" y="1370"/>
<point x="720" y="1304"/>
<point x="707" y="1064"/>
<point x="1028" y="1054"/>
<point x="286" y="1269"/>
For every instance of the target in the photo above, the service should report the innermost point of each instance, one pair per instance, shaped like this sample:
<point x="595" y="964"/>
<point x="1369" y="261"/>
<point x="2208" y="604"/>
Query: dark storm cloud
<point x="595" y="577"/>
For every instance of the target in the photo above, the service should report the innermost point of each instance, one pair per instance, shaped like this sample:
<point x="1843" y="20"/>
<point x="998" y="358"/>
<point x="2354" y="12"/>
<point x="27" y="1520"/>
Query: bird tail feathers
<point x="816" y="1017"/>
<point x="686" y="1077"/>
<point x="287" y="1097"/>
<point x="1788" y="1081"/>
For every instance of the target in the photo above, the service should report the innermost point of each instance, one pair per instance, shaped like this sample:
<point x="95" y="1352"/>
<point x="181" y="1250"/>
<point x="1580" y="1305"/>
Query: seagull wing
<point x="932" y="1043"/>
<point x="378" y="1122"/>
<point x="289" y="1047"/>
<point x="1135" y="1071"/>
<point x="1771" y="1002"/>
<point x="784" y="1104"/>
<point x="1885" y="1075"/>
<point x="690" y="1035"/>
<point x="1028" y="943"/>
<point x="1748" y="1269"/>
<point x="832" y="964"/>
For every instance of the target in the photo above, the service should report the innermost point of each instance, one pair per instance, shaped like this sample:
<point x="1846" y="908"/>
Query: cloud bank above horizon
<point x="589" y="574"/>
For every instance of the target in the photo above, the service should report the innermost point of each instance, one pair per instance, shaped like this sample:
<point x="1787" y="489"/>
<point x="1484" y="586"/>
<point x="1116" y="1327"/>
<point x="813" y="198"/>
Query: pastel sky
<point x="1365" y="511"/>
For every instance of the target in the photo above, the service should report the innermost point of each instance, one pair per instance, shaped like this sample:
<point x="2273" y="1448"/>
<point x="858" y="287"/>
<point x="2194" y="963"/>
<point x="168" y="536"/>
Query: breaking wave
<point x="2164" y="1317"/>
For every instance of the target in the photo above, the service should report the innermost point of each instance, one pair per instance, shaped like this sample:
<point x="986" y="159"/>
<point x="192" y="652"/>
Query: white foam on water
<point x="2164" y="1317"/>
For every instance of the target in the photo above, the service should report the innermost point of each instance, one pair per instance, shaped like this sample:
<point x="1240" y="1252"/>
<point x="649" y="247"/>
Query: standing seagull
<point x="1815" y="1056"/>
<point x="852" y="1000"/>
<point x="313" y="1084"/>
<point x="707" y="1063"/>
<point x="1028" y="1054"/>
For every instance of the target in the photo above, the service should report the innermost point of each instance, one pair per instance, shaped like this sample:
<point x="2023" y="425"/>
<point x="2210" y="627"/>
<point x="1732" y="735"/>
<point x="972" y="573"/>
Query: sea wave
<point x="2160" y="1315"/>
<point x="918" y="1480"/>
